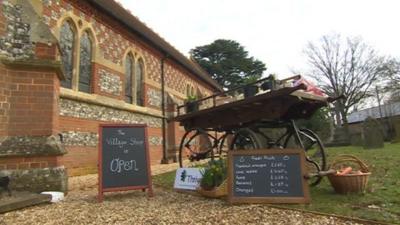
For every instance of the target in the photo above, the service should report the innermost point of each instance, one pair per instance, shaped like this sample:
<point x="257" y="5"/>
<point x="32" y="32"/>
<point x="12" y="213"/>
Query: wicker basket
<point x="218" y="192"/>
<point x="349" y="183"/>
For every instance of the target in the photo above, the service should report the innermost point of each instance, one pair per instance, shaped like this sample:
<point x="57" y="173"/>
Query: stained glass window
<point x="139" y="83"/>
<point x="67" y="39"/>
<point x="128" y="78"/>
<point x="85" y="63"/>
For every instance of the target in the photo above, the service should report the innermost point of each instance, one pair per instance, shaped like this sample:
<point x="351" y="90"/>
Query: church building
<point x="67" y="66"/>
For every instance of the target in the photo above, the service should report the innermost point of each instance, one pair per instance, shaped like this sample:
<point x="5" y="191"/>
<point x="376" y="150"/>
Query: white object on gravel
<point x="55" y="196"/>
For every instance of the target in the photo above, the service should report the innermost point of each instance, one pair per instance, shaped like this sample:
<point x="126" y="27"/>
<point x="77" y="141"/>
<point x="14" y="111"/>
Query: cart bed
<point x="279" y="105"/>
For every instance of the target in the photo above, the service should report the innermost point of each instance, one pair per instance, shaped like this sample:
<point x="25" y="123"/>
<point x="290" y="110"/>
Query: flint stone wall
<point x="155" y="140"/>
<point x="89" y="139"/>
<point x="16" y="43"/>
<point x="110" y="83"/>
<point x="154" y="97"/>
<point x="77" y="138"/>
<point x="84" y="110"/>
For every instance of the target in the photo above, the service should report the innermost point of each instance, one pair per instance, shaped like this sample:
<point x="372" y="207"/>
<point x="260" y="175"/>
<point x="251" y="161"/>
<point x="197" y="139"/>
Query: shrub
<point x="214" y="174"/>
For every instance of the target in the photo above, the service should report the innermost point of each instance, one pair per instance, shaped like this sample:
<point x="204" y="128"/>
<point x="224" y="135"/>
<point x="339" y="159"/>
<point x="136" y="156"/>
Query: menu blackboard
<point x="123" y="158"/>
<point x="267" y="176"/>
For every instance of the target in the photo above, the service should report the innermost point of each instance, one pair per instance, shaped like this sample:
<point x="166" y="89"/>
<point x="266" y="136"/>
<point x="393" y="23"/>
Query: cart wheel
<point x="195" y="148"/>
<point x="245" y="138"/>
<point x="224" y="144"/>
<point x="314" y="149"/>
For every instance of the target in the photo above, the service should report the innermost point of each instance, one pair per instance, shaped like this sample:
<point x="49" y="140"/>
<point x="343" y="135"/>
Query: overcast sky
<point x="273" y="31"/>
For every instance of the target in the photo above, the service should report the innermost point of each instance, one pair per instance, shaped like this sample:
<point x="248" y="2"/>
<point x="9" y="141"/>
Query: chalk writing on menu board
<point x="270" y="176"/>
<point x="118" y="165"/>
<point x="267" y="175"/>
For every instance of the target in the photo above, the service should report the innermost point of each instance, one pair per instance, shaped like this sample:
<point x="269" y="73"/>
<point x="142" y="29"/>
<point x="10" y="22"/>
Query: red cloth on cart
<point x="311" y="87"/>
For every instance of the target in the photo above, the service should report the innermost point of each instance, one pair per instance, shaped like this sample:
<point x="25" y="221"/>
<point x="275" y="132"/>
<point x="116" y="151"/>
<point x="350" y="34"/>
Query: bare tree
<point x="392" y="79"/>
<point x="344" y="67"/>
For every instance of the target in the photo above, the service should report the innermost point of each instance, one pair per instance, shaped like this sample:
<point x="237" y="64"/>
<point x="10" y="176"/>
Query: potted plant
<point x="250" y="89"/>
<point x="213" y="182"/>
<point x="270" y="84"/>
<point x="192" y="104"/>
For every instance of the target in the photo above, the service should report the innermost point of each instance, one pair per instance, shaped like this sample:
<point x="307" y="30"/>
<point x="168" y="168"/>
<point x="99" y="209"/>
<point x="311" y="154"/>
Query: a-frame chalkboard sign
<point x="124" y="162"/>
<point x="267" y="176"/>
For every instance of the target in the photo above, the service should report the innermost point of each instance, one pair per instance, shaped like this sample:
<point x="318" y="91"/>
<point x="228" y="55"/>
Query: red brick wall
<point x="24" y="163"/>
<point x="33" y="103"/>
<point x="4" y="101"/>
<point x="45" y="51"/>
<point x="28" y="101"/>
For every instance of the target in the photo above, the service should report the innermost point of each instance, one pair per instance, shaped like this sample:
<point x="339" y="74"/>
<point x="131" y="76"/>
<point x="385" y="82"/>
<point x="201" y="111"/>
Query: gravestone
<point x="356" y="139"/>
<point x="396" y="126"/>
<point x="340" y="137"/>
<point x="373" y="134"/>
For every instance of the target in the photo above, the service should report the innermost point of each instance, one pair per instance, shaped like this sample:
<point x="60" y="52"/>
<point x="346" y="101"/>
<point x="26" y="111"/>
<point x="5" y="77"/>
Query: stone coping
<point x="21" y="200"/>
<point x="54" y="65"/>
<point x="12" y="146"/>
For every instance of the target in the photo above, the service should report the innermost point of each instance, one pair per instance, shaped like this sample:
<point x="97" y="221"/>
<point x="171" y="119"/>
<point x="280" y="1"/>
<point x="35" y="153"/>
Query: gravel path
<point x="166" y="207"/>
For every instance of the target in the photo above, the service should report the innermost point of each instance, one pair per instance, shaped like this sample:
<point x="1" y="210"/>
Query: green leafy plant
<point x="191" y="98"/>
<point x="213" y="174"/>
<point x="191" y="104"/>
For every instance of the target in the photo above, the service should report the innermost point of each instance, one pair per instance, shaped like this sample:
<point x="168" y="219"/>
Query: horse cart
<point x="261" y="120"/>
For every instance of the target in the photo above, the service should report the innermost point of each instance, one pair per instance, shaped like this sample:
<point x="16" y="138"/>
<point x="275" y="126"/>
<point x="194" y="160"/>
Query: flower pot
<point x="250" y="91"/>
<point x="217" y="192"/>
<point x="192" y="107"/>
<point x="268" y="85"/>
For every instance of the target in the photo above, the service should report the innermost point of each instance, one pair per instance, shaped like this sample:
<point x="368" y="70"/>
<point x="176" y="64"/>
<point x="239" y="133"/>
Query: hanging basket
<point x="349" y="183"/>
<point x="217" y="192"/>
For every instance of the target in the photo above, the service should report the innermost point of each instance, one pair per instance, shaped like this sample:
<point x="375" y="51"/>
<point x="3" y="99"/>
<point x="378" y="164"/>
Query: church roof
<point x="115" y="10"/>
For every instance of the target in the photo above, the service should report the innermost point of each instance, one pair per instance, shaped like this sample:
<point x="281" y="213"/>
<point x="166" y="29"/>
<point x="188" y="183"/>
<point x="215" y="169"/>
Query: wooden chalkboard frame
<point x="235" y="199"/>
<point x="101" y="190"/>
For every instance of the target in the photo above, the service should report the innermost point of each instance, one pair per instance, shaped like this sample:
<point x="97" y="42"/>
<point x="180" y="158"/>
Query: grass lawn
<point x="381" y="202"/>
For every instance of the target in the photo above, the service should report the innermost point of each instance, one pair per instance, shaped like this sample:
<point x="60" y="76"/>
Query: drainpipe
<point x="164" y="159"/>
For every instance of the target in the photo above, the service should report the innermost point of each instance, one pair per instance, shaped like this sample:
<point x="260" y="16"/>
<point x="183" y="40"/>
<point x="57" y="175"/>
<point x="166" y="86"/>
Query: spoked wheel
<point x="196" y="148"/>
<point x="224" y="144"/>
<point x="314" y="150"/>
<point x="245" y="138"/>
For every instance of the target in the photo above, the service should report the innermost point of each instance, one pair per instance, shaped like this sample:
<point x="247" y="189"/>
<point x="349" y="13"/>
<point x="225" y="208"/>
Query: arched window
<point x="192" y="91"/>
<point x="85" y="63"/>
<point x="188" y="90"/>
<point x="129" y="62"/>
<point x="139" y="82"/>
<point x="67" y="40"/>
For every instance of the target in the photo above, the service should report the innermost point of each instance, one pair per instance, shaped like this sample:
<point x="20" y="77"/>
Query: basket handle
<point x="350" y="158"/>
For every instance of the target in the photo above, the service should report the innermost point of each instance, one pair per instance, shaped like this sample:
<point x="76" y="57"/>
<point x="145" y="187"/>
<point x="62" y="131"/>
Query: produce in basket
<point x="345" y="171"/>
<point x="347" y="180"/>
<point x="348" y="170"/>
